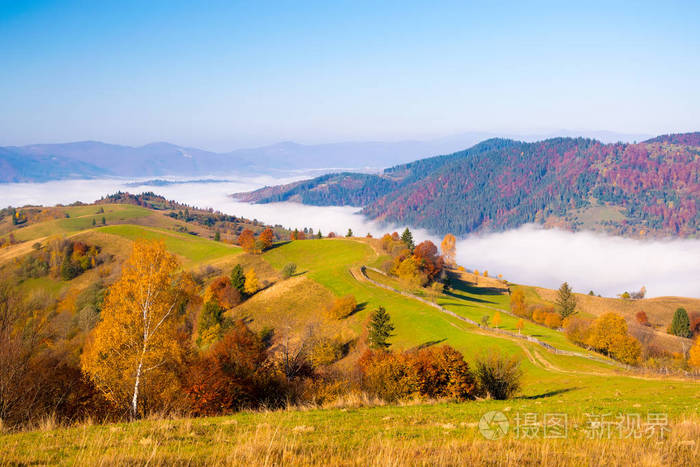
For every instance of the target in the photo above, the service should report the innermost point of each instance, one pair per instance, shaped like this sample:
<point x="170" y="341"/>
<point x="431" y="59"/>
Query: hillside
<point x="559" y="377"/>
<point x="639" y="190"/>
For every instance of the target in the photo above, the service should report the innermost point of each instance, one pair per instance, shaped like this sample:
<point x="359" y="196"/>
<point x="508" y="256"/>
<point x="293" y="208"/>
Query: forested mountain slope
<point x="650" y="188"/>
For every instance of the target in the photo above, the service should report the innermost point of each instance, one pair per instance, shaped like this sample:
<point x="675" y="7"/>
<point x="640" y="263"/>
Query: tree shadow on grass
<point x="467" y="299"/>
<point x="425" y="345"/>
<point x="360" y="306"/>
<point x="548" y="394"/>
<point x="278" y="244"/>
<point x="469" y="287"/>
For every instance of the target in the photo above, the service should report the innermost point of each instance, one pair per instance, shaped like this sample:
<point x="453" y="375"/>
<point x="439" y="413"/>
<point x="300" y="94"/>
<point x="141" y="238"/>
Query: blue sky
<point x="231" y="74"/>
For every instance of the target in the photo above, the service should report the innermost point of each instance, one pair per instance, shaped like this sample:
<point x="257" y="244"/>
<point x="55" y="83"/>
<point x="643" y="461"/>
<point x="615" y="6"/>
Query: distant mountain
<point x="17" y="167"/>
<point x="88" y="159"/>
<point x="649" y="188"/>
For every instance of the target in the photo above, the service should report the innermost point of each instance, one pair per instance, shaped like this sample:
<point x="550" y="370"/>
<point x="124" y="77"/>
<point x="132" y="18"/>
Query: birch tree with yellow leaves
<point x="135" y="344"/>
<point x="449" y="250"/>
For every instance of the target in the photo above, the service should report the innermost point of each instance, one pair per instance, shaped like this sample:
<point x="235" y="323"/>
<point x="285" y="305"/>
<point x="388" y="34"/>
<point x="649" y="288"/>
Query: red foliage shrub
<point x="235" y="373"/>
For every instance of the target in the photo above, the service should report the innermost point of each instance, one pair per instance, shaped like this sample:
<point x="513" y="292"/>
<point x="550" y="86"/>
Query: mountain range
<point x="91" y="159"/>
<point x="642" y="189"/>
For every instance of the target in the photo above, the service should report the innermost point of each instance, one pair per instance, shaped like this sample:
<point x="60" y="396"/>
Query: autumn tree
<point x="608" y="334"/>
<point x="520" y="325"/>
<point x="266" y="238"/>
<point x="694" y="355"/>
<point x="642" y="318"/>
<point x="135" y="344"/>
<point x="380" y="329"/>
<point x="426" y="254"/>
<point x="449" y="250"/>
<point x="680" y="325"/>
<point x="496" y="319"/>
<point x="517" y="303"/>
<point x="566" y="301"/>
<point x="247" y="240"/>
<point x="222" y="292"/>
<point x="251" y="282"/>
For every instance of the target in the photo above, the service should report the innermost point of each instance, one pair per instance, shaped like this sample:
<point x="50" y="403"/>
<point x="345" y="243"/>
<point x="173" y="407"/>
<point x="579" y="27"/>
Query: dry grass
<point x="309" y="438"/>
<point x="659" y="310"/>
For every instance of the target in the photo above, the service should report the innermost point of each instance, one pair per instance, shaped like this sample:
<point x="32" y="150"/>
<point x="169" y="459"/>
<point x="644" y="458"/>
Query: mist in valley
<point x="530" y="255"/>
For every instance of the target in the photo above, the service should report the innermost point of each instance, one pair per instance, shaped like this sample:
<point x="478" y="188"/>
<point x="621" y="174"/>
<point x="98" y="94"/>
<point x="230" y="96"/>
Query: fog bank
<point x="529" y="255"/>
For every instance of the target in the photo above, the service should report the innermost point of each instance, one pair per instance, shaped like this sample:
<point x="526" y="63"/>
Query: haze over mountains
<point x="639" y="190"/>
<point x="91" y="159"/>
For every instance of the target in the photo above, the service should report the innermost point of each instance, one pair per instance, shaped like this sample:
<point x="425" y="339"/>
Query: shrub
<point x="642" y="318"/>
<point x="325" y="351"/>
<point x="577" y="329"/>
<point x="434" y="372"/>
<point x="234" y="374"/>
<point x="552" y="320"/>
<point x="609" y="335"/>
<point x="498" y="375"/>
<point x="342" y="307"/>
<point x="288" y="270"/>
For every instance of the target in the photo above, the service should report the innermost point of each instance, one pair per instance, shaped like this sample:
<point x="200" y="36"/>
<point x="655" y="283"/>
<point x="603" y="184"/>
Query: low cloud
<point x="529" y="255"/>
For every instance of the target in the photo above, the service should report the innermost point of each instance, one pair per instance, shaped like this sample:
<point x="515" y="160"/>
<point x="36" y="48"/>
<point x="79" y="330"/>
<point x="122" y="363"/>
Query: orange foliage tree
<point x="266" y="238"/>
<point x="609" y="335"/>
<point x="694" y="355"/>
<point x="136" y="343"/>
<point x="223" y="293"/>
<point x="234" y="373"/>
<point x="247" y="240"/>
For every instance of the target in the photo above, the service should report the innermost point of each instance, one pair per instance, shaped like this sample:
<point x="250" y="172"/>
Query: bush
<point x="609" y="335"/>
<point x="288" y="270"/>
<point x="552" y="320"/>
<point x="342" y="307"/>
<point x="577" y="329"/>
<point x="498" y="375"/>
<point x="434" y="372"/>
<point x="235" y="373"/>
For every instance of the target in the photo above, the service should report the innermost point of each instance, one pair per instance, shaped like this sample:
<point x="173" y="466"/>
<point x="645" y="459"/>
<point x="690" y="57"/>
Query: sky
<point x="222" y="75"/>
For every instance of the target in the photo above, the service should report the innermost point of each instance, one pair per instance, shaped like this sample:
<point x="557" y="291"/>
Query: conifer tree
<point x="407" y="238"/>
<point x="680" y="326"/>
<point x="566" y="301"/>
<point x="380" y="329"/>
<point x="238" y="278"/>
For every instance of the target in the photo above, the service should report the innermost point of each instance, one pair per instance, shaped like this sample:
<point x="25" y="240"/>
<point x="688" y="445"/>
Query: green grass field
<point x="410" y="434"/>
<point x="81" y="218"/>
<point x="195" y="250"/>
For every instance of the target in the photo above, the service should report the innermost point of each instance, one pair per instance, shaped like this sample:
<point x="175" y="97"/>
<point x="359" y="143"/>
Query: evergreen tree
<point x="680" y="326"/>
<point x="319" y="235"/>
<point x="349" y="233"/>
<point x="104" y="221"/>
<point x="566" y="301"/>
<point x="407" y="238"/>
<point x="94" y="223"/>
<point x="380" y="329"/>
<point x="217" y="236"/>
<point x="238" y="278"/>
